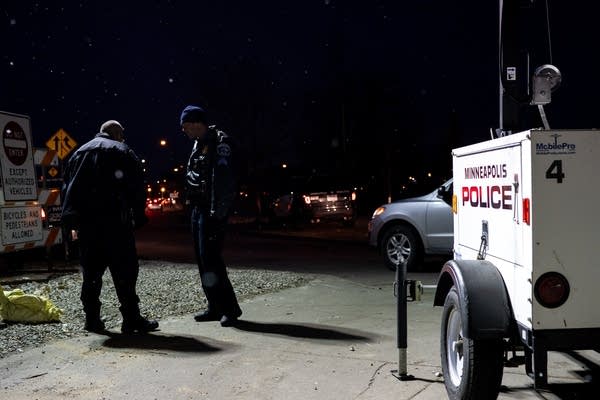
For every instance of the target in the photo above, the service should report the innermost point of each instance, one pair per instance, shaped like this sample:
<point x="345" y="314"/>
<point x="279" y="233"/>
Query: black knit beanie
<point x="193" y="114"/>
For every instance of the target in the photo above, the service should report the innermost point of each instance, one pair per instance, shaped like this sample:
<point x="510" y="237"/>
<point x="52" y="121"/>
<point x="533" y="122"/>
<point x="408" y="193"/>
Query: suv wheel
<point x="400" y="243"/>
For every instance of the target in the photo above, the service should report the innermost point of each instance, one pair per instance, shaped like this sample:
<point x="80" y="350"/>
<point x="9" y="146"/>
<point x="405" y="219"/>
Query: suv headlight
<point x="378" y="211"/>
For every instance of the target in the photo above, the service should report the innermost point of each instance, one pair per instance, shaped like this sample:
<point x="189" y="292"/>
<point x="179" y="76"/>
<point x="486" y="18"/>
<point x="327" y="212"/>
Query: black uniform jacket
<point x="103" y="186"/>
<point x="210" y="178"/>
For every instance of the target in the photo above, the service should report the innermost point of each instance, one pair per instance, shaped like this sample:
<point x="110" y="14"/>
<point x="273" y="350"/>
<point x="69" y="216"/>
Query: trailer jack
<point x="404" y="290"/>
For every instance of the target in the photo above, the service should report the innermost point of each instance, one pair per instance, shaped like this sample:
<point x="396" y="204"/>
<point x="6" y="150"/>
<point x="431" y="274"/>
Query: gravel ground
<point x="165" y="290"/>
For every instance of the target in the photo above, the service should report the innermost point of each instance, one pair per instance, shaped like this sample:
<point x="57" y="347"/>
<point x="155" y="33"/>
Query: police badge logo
<point x="223" y="150"/>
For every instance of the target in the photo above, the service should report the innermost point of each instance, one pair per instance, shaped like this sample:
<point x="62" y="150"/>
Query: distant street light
<point x="284" y="166"/>
<point x="163" y="142"/>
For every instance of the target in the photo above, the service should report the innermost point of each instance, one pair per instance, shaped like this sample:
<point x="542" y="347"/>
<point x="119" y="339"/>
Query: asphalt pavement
<point x="333" y="338"/>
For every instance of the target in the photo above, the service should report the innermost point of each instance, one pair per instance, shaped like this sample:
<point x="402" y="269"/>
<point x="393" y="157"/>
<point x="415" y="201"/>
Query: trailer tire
<point x="472" y="368"/>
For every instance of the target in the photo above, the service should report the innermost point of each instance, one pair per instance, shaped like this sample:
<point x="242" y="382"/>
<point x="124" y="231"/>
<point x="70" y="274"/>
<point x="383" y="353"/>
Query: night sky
<point x="364" y="87"/>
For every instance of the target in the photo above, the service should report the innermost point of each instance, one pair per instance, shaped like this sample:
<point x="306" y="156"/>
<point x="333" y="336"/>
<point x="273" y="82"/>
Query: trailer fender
<point x="483" y="297"/>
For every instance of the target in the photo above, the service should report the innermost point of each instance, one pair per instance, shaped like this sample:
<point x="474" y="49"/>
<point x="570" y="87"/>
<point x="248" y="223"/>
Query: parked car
<point x="282" y="203"/>
<point x="333" y="205"/>
<point x="313" y="199"/>
<point x="329" y="198"/>
<point x="407" y="229"/>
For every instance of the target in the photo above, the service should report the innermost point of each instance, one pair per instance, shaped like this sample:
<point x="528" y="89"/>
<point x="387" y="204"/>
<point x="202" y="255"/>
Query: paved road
<point x="325" y="248"/>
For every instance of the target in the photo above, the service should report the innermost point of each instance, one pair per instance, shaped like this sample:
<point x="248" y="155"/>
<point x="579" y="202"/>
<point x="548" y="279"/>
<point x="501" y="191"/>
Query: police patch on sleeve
<point x="223" y="150"/>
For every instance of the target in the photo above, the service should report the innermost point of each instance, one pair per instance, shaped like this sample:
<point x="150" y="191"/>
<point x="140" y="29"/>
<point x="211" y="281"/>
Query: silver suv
<point x="407" y="229"/>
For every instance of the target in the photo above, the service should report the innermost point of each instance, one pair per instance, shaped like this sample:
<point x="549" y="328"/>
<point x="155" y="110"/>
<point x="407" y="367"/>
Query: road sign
<point x="21" y="224"/>
<point x="62" y="143"/>
<point x="18" y="172"/>
<point x="53" y="172"/>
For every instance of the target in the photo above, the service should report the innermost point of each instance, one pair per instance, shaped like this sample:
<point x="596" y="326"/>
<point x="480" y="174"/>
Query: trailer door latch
<point x="484" y="241"/>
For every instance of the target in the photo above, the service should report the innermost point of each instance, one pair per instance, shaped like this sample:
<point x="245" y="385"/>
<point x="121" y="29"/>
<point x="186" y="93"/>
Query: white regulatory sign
<point x="511" y="73"/>
<point x="21" y="224"/>
<point x="16" y="157"/>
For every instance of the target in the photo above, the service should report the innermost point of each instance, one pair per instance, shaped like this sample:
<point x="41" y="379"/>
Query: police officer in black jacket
<point x="104" y="200"/>
<point x="211" y="187"/>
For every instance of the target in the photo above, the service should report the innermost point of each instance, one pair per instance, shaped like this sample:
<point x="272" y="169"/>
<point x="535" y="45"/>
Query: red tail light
<point x="551" y="290"/>
<point x="526" y="211"/>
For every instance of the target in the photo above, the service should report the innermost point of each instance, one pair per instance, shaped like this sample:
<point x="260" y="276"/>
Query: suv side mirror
<point x="445" y="194"/>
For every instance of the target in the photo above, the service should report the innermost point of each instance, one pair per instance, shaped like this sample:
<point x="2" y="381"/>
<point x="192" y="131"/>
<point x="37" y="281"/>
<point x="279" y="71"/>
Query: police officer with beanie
<point x="104" y="200"/>
<point x="210" y="186"/>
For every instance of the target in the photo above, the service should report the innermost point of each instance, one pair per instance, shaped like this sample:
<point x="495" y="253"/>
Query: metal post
<point x="401" y="317"/>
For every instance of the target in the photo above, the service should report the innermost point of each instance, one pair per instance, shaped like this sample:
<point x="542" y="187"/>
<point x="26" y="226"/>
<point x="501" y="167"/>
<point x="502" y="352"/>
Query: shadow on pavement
<point x="415" y="378"/>
<point x="555" y="391"/>
<point x="153" y="341"/>
<point x="570" y="391"/>
<point x="307" y="331"/>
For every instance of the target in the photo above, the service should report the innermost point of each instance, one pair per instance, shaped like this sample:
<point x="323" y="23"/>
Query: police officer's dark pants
<point x="209" y="234"/>
<point x="113" y="249"/>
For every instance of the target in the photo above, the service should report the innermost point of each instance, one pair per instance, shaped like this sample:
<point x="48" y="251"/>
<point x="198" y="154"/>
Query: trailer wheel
<point x="472" y="368"/>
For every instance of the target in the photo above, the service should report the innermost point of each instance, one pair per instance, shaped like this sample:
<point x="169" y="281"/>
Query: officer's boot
<point x="93" y="323"/>
<point x="134" y="322"/>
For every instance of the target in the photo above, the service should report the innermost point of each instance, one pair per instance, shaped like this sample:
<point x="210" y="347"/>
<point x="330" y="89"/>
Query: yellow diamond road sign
<point x="62" y="143"/>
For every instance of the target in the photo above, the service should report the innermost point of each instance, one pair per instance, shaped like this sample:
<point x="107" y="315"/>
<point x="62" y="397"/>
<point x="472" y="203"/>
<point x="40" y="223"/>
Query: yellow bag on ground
<point x="16" y="306"/>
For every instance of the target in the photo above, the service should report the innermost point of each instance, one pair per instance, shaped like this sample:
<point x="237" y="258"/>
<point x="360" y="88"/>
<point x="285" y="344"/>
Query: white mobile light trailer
<point x="526" y="269"/>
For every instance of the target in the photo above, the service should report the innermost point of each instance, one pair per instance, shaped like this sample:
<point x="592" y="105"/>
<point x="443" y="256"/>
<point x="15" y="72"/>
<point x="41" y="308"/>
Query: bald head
<point x="114" y="129"/>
